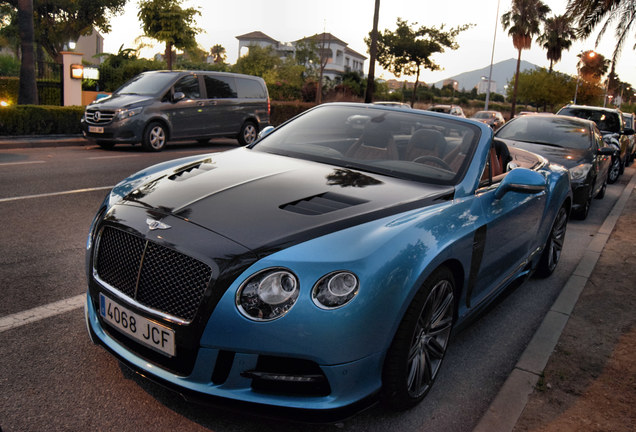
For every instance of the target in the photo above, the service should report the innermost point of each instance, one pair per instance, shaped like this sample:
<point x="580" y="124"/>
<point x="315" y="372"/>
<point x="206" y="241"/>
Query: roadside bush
<point x="40" y="120"/>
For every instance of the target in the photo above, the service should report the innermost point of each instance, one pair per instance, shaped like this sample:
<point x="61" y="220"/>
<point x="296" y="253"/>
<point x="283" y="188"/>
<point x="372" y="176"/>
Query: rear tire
<point x="155" y="137"/>
<point x="554" y="246"/>
<point x="417" y="351"/>
<point x="614" y="171"/>
<point x="248" y="133"/>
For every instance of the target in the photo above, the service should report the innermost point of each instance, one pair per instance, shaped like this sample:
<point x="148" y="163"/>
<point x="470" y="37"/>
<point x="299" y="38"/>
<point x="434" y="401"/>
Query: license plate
<point x="96" y="129"/>
<point x="149" y="333"/>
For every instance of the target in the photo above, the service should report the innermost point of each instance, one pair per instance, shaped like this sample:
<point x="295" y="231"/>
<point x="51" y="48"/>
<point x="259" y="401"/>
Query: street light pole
<point x="492" y="56"/>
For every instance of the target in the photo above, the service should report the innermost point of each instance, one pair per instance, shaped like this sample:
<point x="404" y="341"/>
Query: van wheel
<point x="106" y="145"/>
<point x="248" y="133"/>
<point x="154" y="137"/>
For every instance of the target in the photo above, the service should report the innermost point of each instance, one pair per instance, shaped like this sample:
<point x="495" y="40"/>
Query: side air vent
<point x="192" y="170"/>
<point x="321" y="204"/>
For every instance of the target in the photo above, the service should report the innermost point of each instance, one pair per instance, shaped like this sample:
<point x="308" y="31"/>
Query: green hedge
<point x="40" y="120"/>
<point x="283" y="111"/>
<point x="52" y="120"/>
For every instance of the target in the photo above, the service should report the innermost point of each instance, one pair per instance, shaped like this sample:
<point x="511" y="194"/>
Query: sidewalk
<point x="578" y="372"/>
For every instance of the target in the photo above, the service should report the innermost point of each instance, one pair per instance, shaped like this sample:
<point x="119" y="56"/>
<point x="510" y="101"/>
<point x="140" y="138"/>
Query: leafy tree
<point x="592" y="66"/>
<point x="58" y="22"/>
<point x="167" y="22"/>
<point x="307" y="54"/>
<point x="219" y="53"/>
<point x="259" y="61"/>
<point x="523" y="21"/>
<point x="587" y="14"/>
<point x="541" y="87"/>
<point x="406" y="51"/>
<point x="557" y="36"/>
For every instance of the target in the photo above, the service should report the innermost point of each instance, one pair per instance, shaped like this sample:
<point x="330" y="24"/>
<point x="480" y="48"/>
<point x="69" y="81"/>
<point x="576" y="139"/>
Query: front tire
<point x="416" y="353"/>
<point x="155" y="137"/>
<point x="554" y="246"/>
<point x="248" y="133"/>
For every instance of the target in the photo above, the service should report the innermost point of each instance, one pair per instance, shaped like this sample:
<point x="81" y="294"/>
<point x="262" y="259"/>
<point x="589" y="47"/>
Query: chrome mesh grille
<point x="156" y="277"/>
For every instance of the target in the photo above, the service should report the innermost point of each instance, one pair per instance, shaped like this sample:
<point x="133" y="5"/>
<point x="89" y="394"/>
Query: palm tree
<point x="218" y="52"/>
<point x="557" y="36"/>
<point x="523" y="21"/>
<point x="587" y="14"/>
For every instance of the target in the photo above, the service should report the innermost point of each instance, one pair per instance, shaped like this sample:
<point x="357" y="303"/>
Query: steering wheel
<point x="434" y="160"/>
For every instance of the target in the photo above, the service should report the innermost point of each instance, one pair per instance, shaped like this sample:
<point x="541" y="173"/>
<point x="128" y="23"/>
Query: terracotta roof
<point x="257" y="35"/>
<point x="328" y="37"/>
<point x="354" y="53"/>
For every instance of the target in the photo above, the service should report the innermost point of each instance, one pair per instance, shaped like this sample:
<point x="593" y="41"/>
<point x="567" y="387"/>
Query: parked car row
<point x="325" y="266"/>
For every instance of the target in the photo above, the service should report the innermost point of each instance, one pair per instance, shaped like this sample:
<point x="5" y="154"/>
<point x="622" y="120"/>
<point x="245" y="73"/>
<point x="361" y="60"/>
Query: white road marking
<point x="21" y="163"/>
<point x="112" y="157"/>
<point x="45" y="195"/>
<point x="42" y="312"/>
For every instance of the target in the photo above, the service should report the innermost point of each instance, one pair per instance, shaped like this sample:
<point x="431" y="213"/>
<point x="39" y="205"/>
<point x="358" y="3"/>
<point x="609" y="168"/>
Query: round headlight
<point x="268" y="294"/>
<point x="335" y="290"/>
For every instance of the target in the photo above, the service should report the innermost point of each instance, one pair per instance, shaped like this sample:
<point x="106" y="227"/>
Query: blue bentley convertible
<point x="323" y="267"/>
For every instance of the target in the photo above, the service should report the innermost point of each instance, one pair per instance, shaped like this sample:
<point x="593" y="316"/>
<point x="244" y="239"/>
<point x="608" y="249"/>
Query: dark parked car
<point x="455" y="110"/>
<point x="322" y="267"/>
<point x="494" y="119"/>
<point x="574" y="143"/>
<point x="158" y="106"/>
<point x="610" y="123"/>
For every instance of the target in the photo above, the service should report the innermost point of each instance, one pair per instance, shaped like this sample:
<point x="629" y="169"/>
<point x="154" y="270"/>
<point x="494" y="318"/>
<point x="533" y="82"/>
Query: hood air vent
<point x="321" y="204"/>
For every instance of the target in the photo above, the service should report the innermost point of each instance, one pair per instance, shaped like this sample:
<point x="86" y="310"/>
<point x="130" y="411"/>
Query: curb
<point x="505" y="410"/>
<point x="16" y="142"/>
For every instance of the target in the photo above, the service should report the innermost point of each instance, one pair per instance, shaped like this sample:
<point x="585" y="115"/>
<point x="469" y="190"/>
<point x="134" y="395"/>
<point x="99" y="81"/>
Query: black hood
<point x="261" y="200"/>
<point x="568" y="157"/>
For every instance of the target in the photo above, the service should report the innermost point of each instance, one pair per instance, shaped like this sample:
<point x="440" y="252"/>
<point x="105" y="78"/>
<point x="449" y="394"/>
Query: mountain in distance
<point x="502" y="73"/>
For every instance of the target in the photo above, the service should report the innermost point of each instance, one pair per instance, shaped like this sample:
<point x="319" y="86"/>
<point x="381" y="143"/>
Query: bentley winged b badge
<point x="155" y="224"/>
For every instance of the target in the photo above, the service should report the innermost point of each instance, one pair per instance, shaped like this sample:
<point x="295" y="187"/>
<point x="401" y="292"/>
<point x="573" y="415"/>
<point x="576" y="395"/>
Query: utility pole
<point x="368" y="97"/>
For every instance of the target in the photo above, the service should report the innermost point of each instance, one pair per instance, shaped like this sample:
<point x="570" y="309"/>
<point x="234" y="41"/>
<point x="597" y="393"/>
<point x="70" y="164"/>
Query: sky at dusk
<point x="351" y="21"/>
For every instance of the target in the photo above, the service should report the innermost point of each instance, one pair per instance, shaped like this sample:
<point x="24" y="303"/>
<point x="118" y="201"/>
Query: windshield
<point x="148" y="84"/>
<point x="416" y="146"/>
<point x="548" y="130"/>
<point x="629" y="121"/>
<point x="605" y="120"/>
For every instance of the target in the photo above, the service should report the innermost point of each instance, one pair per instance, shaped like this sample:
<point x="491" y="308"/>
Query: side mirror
<point x="266" y="131"/>
<point x="628" y="131"/>
<point x="521" y="180"/>
<point x="178" y="96"/>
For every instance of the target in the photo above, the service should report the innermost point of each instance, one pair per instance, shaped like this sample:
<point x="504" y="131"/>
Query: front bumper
<point x="352" y="389"/>
<point x="127" y="131"/>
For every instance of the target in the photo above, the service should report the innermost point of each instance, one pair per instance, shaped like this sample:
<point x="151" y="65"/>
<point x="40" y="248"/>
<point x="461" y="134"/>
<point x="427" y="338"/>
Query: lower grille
<point x="154" y="276"/>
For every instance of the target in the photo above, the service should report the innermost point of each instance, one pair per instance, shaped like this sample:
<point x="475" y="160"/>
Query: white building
<point x="340" y="58"/>
<point x="482" y="86"/>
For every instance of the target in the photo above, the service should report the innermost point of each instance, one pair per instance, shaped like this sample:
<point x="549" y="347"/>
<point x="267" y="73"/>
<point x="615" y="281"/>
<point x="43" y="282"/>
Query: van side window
<point x="250" y="89"/>
<point x="219" y="87"/>
<point x="189" y="85"/>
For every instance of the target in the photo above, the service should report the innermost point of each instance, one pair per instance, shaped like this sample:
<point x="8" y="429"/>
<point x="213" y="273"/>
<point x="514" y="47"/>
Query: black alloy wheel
<point x="614" y="171"/>
<point x="582" y="212"/>
<point x="554" y="246"/>
<point x="415" y="356"/>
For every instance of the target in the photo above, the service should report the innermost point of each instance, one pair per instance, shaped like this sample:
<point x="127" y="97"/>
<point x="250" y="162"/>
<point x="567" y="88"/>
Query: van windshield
<point x="151" y="84"/>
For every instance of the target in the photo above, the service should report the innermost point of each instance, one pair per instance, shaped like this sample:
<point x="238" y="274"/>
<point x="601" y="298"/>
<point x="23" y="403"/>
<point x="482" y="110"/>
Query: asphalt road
<point x="53" y="378"/>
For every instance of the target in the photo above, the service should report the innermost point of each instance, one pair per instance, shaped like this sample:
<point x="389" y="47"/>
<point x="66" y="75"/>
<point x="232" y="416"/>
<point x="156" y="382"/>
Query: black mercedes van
<point x="158" y="106"/>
